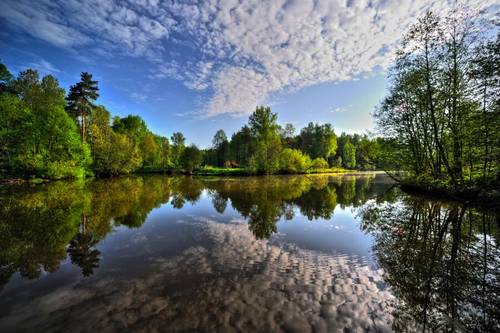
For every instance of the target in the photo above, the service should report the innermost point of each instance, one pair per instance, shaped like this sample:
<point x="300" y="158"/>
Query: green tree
<point x="349" y="155"/>
<point x="287" y="134"/>
<point x="264" y="128"/>
<point x="318" y="140"/>
<point x="178" y="146"/>
<point x="15" y="124"/>
<point x="486" y="84"/>
<point x="242" y="146"/>
<point x="191" y="158"/>
<point x="113" y="153"/>
<point x="132" y="126"/>
<point x="47" y="142"/>
<point x="440" y="109"/>
<point x="80" y="100"/>
<point x="220" y="146"/>
<point x="5" y="78"/>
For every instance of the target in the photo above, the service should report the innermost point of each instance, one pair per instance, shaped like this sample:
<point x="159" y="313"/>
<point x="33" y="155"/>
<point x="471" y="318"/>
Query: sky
<point x="199" y="66"/>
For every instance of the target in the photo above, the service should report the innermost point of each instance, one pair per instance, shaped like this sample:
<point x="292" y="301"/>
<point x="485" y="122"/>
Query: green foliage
<point x="38" y="137"/>
<point x="178" y="146"/>
<point x="442" y="110"/>
<point x="191" y="159"/>
<point x="319" y="163"/>
<point x="80" y="100"/>
<point x="133" y="126"/>
<point x="113" y="153"/>
<point x="219" y="153"/>
<point x="5" y="78"/>
<point x="264" y="128"/>
<point x="293" y="161"/>
<point x="318" y="140"/>
<point x="349" y="155"/>
<point x="40" y="140"/>
<point x="242" y="146"/>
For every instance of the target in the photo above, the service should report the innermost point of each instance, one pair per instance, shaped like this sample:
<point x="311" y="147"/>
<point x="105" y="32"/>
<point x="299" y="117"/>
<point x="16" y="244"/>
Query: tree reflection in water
<point x="264" y="201"/>
<point x="442" y="261"/>
<point x="40" y="225"/>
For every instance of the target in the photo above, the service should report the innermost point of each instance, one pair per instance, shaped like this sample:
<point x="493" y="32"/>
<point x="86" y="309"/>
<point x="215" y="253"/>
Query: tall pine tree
<point x="80" y="100"/>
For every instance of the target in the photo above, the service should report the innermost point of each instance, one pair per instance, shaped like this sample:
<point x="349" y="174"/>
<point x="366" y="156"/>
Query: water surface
<point x="318" y="253"/>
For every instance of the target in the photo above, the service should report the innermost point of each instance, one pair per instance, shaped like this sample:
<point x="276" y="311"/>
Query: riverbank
<point x="487" y="197"/>
<point x="214" y="171"/>
<point x="206" y="171"/>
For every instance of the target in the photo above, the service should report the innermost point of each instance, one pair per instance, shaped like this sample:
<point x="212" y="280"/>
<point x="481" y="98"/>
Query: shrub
<point x="293" y="161"/>
<point x="319" y="163"/>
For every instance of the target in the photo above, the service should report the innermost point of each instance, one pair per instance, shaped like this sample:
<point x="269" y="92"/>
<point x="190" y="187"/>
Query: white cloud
<point x="105" y="25"/>
<point x="341" y="109"/>
<point x="44" y="67"/>
<point x="284" y="45"/>
<point x="241" y="52"/>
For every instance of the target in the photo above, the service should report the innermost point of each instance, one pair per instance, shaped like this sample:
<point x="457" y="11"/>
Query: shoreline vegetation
<point x="46" y="134"/>
<point x="439" y="123"/>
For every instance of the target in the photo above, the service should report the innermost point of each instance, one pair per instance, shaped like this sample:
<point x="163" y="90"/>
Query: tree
<point x="438" y="109"/>
<point x="264" y="128"/>
<point x="242" y="146"/>
<point x="191" y="158"/>
<point x="178" y="146"/>
<point x="367" y="153"/>
<point x="349" y="155"/>
<point x="5" y="78"/>
<point x="80" y="100"/>
<point x="132" y="126"/>
<point x="263" y="122"/>
<point x="15" y="123"/>
<point x="220" y="145"/>
<point x="486" y="83"/>
<point x="149" y="149"/>
<point x="113" y="153"/>
<point x="46" y="140"/>
<point x="318" y="140"/>
<point x="287" y="135"/>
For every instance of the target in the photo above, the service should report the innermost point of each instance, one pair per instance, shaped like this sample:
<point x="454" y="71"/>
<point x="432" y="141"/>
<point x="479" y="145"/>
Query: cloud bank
<point x="239" y="53"/>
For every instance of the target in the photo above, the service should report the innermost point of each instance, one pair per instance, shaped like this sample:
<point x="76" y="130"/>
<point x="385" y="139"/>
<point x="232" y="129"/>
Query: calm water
<point x="316" y="253"/>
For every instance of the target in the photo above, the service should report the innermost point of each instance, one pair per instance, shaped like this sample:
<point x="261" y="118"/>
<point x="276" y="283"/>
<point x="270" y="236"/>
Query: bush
<point x="293" y="161"/>
<point x="319" y="163"/>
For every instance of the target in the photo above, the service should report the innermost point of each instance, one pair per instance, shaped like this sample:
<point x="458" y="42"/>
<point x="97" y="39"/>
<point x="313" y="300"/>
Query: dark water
<point x="315" y="253"/>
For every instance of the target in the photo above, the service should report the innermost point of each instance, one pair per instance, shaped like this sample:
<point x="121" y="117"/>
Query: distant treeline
<point x="443" y="106"/>
<point x="47" y="133"/>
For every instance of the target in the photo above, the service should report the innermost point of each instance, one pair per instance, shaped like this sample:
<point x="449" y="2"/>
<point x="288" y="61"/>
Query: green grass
<point x="331" y="170"/>
<point x="215" y="171"/>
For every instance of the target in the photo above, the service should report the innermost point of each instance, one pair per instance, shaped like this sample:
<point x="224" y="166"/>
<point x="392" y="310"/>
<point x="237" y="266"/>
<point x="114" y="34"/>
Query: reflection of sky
<point x="341" y="234"/>
<point x="223" y="278"/>
<point x="185" y="262"/>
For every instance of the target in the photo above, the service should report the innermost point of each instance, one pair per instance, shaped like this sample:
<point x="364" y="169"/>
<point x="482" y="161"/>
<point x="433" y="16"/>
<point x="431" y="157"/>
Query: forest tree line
<point x="443" y="108"/>
<point x="47" y="133"/>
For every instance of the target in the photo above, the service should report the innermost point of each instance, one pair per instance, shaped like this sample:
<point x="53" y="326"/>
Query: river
<point x="309" y="253"/>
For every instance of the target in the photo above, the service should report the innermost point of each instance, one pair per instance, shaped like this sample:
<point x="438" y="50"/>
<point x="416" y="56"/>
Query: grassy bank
<point x="485" y="196"/>
<point x="205" y="171"/>
<point x="216" y="171"/>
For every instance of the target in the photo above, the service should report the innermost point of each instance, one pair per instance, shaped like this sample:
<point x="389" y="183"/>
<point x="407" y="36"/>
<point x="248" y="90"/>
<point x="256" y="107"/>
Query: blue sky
<point x="197" y="66"/>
